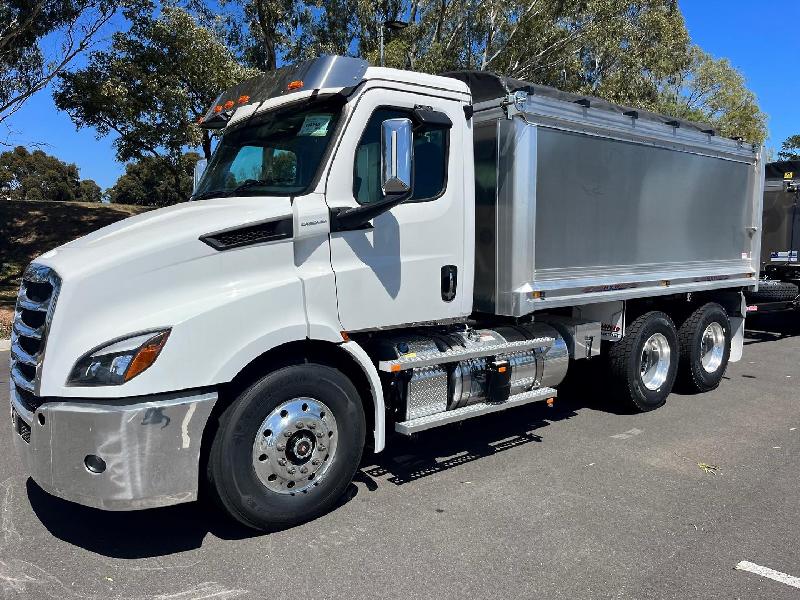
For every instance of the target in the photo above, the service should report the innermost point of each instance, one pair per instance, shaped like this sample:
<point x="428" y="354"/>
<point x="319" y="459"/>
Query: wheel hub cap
<point x="712" y="347"/>
<point x="656" y="355"/>
<point x="300" y="447"/>
<point x="295" y="445"/>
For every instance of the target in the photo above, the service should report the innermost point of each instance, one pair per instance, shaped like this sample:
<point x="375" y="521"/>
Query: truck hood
<point x="169" y="234"/>
<point x="153" y="272"/>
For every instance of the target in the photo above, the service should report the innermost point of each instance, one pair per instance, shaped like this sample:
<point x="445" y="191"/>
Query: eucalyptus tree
<point x="149" y="87"/>
<point x="790" y="148"/>
<point x="40" y="39"/>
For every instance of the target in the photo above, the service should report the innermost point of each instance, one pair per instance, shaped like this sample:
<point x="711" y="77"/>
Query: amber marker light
<point x="294" y="85"/>
<point x="228" y="105"/>
<point x="218" y="108"/>
<point x="244" y="99"/>
<point x="146" y="355"/>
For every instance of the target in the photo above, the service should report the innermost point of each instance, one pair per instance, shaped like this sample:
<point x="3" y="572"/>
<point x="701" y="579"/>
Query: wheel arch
<point x="348" y="357"/>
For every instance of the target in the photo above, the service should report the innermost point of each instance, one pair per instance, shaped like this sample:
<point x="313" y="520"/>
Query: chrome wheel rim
<point x="295" y="446"/>
<point x="712" y="347"/>
<point x="656" y="355"/>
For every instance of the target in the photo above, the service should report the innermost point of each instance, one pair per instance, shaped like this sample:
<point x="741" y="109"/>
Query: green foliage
<point x="790" y="148"/>
<point x="35" y="175"/>
<point x="713" y="91"/>
<point x="90" y="191"/>
<point x="154" y="80"/>
<point x="149" y="182"/>
<point x="150" y="87"/>
<point x="634" y="52"/>
<point x="26" y="63"/>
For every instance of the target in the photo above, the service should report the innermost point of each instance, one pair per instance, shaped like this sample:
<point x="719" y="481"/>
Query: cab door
<point x="407" y="265"/>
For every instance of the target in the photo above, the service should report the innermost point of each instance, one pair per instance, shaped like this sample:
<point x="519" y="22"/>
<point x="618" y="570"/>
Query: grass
<point x="28" y="229"/>
<point x="6" y="316"/>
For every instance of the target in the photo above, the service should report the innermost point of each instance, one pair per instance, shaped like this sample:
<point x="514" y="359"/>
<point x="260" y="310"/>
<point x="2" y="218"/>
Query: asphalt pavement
<point x="573" y="502"/>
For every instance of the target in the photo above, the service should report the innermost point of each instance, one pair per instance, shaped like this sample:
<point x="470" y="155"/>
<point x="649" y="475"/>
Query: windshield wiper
<point x="248" y="183"/>
<point x="213" y="194"/>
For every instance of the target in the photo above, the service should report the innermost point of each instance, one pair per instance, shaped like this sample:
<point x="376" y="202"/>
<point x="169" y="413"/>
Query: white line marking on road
<point x="769" y="573"/>
<point x="627" y="434"/>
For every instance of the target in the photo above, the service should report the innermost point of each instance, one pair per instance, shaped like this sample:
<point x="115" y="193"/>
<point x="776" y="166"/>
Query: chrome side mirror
<point x="199" y="169"/>
<point x="397" y="154"/>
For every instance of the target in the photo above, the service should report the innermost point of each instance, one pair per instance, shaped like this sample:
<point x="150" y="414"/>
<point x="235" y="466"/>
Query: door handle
<point x="449" y="282"/>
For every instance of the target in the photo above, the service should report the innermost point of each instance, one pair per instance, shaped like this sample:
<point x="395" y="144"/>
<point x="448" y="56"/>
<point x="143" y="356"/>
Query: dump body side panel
<point x="591" y="211"/>
<point x="608" y="203"/>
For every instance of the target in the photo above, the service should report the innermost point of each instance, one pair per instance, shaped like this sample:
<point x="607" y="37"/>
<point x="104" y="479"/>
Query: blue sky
<point x="760" y="39"/>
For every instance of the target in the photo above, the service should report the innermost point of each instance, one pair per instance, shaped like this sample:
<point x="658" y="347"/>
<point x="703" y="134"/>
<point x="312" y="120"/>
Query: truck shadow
<point x="135" y="534"/>
<point x="771" y="326"/>
<point x="408" y="459"/>
<point x="163" y="531"/>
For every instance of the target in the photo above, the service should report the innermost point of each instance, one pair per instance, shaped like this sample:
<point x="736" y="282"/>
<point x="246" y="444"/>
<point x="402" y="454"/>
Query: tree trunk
<point x="267" y="24"/>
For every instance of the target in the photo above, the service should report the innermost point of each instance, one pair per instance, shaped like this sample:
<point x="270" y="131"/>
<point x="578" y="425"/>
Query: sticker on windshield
<point x="315" y="125"/>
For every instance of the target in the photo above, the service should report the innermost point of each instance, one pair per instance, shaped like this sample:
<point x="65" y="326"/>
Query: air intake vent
<point x="260" y="233"/>
<point x="35" y="304"/>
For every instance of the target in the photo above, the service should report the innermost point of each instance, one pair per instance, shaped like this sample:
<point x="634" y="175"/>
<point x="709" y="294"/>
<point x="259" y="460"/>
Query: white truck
<point x="372" y="250"/>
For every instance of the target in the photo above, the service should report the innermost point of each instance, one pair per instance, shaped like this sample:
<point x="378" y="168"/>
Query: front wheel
<point x="287" y="447"/>
<point x="705" y="345"/>
<point x="644" y="363"/>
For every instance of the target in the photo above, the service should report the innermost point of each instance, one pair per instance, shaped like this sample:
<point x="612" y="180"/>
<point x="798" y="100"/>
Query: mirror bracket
<point x="350" y="219"/>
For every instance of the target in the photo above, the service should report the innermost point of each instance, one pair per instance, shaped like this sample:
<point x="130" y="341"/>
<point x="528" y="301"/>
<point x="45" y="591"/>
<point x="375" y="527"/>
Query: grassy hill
<point x="28" y="229"/>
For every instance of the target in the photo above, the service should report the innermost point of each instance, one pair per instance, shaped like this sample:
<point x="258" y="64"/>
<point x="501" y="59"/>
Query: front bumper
<point x="150" y="447"/>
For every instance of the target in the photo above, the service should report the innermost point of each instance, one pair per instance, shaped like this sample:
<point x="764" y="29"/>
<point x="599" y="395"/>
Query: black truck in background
<point x="779" y="287"/>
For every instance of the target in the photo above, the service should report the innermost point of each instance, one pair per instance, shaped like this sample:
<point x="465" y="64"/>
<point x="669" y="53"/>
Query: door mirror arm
<point x="347" y="219"/>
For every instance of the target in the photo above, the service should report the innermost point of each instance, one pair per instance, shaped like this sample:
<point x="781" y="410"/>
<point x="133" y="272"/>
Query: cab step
<point x="473" y="410"/>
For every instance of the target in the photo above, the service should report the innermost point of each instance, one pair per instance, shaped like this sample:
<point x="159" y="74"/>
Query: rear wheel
<point x="644" y="363"/>
<point x="705" y="347"/>
<point x="287" y="447"/>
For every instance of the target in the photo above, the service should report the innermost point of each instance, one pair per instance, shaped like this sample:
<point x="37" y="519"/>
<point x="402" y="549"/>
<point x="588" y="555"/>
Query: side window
<point x="430" y="160"/>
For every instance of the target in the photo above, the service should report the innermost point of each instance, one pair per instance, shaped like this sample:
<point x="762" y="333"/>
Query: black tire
<point x="770" y="290"/>
<point x="231" y="470"/>
<point x="692" y="375"/>
<point x="625" y="362"/>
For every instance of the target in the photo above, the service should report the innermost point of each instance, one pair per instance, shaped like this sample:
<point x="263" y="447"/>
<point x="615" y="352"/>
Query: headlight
<point x="118" y="361"/>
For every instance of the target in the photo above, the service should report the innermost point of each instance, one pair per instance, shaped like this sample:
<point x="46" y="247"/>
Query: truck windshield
<point x="272" y="154"/>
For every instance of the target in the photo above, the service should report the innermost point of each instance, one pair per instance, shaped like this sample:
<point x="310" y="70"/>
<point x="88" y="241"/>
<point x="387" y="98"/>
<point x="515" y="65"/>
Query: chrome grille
<point x="34" y="311"/>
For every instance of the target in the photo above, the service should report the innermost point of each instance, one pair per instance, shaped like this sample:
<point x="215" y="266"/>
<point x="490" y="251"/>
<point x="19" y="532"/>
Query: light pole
<point x="393" y="25"/>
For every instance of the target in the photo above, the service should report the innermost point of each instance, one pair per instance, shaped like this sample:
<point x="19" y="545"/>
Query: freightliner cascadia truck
<point x="372" y="251"/>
